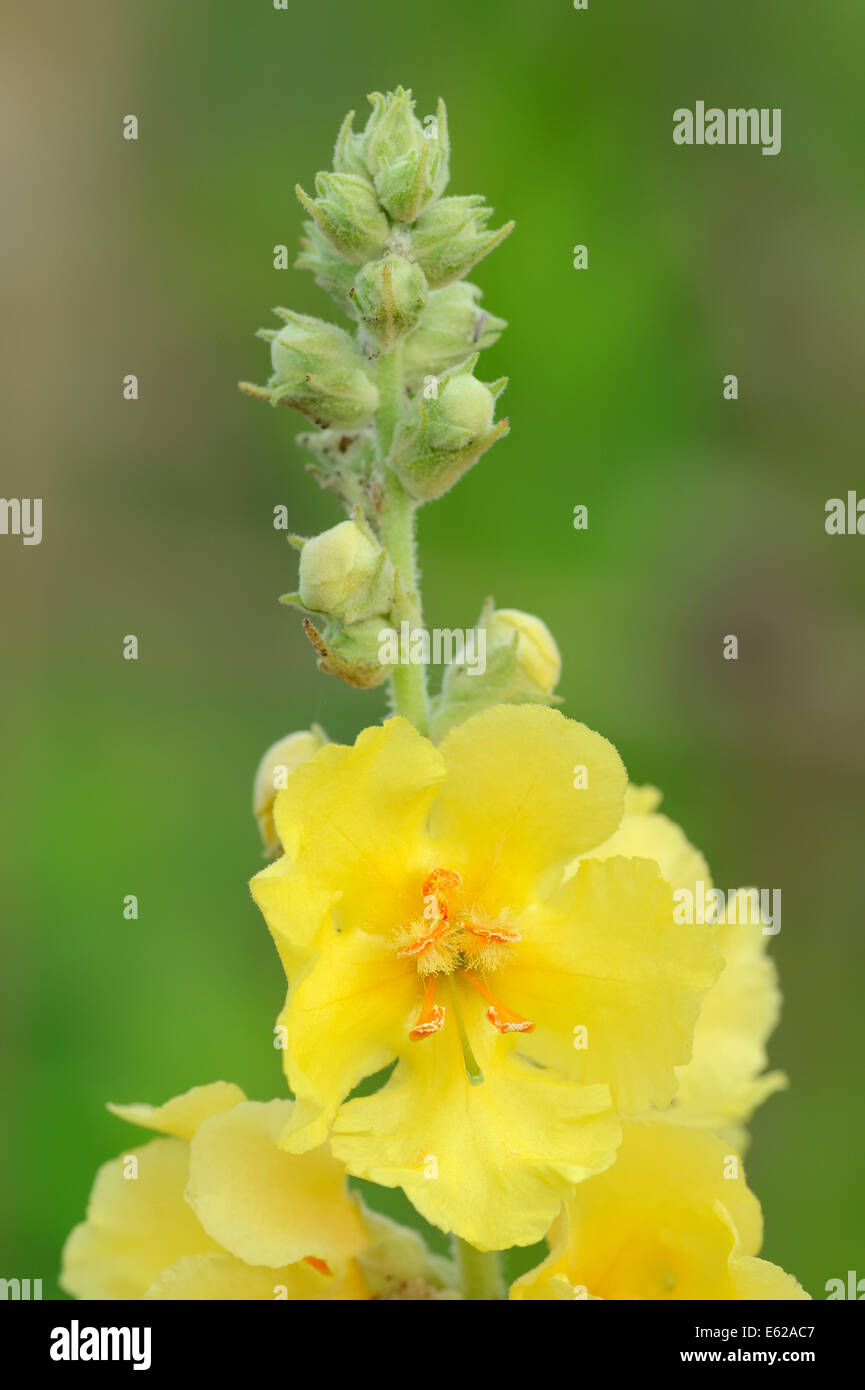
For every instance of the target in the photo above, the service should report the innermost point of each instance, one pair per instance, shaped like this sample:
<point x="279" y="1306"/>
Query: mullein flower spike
<point x="394" y="395"/>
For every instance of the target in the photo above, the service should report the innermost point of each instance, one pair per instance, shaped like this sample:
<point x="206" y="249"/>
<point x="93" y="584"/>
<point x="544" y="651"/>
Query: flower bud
<point x="348" y="213"/>
<point x="389" y="295"/>
<point x="450" y="236"/>
<point x="408" y="165"/>
<point x="447" y="434"/>
<point x="538" y="657"/>
<point x="320" y="370"/>
<point x="463" y="411"/>
<point x="346" y="574"/>
<point x="452" y="326"/>
<point x="392" y="130"/>
<point x="522" y="667"/>
<point x="280" y="760"/>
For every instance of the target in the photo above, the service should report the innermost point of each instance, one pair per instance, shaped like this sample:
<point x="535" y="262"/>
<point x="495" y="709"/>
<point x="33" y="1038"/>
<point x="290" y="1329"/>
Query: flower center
<point x="450" y="938"/>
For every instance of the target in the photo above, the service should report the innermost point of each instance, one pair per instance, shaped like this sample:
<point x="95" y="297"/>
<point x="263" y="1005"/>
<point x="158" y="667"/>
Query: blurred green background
<point x="706" y="516"/>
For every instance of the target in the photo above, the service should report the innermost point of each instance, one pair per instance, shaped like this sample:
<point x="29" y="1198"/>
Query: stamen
<point x="431" y="1018"/>
<point x="321" y="1265"/>
<point x="492" y="932"/>
<point x="473" y="1071"/>
<point x="435" y="910"/>
<point x="498" y="1014"/>
<point x="415" y="948"/>
<point x="441" y="880"/>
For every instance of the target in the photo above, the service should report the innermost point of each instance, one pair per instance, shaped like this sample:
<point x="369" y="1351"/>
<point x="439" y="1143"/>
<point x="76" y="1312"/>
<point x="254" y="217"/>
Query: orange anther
<point x="492" y="932"/>
<point x="441" y="880"/>
<point x="431" y="1018"/>
<point x="498" y="1014"/>
<point x="423" y="943"/>
<point x="321" y="1265"/>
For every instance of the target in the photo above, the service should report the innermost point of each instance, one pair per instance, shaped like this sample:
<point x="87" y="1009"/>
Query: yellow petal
<point x="135" y="1226"/>
<point x="262" y="1204"/>
<point x="671" y="1219"/>
<point x="351" y="821"/>
<point x="722" y="1085"/>
<point x="182" y="1115"/>
<point x="491" y="1162"/>
<point x="509" y="807"/>
<point x="224" y="1277"/>
<point x="605" y="955"/>
<point x="348" y="1017"/>
<point x="760" y="1279"/>
<point x="645" y="834"/>
<point x="642" y="800"/>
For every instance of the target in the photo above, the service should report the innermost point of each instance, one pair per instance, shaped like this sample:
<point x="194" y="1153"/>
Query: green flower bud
<point x="451" y="326"/>
<point x="389" y="295"/>
<point x="348" y="214"/>
<point x="346" y="574"/>
<point x="446" y="434"/>
<point x="392" y="130"/>
<point x="331" y="271"/>
<point x="522" y="667"/>
<point x="464" y="411"/>
<point x="276" y="766"/>
<point x="538" y="657"/>
<point x="408" y="163"/>
<point x="450" y="237"/>
<point x="320" y="370"/>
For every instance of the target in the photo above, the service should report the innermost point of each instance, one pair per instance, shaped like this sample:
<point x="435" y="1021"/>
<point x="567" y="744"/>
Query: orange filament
<point x="499" y="1015"/>
<point x="431" y="1018"/>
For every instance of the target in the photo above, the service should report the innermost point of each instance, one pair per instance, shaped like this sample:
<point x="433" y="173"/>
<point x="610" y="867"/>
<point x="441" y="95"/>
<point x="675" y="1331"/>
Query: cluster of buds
<point x="393" y="396"/>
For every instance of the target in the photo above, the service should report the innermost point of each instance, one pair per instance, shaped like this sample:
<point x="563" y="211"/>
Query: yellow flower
<point x="217" y="1210"/>
<point x="421" y="914"/>
<point x="722" y="1085"/>
<point x="672" y="1219"/>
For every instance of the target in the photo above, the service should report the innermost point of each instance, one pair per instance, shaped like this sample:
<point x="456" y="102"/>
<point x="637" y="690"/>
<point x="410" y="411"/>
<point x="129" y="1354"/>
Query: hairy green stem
<point x="391" y="393"/>
<point x="398" y="510"/>
<point x="480" y="1272"/>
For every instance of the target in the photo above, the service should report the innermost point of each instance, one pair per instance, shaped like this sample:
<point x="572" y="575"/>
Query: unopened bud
<point x="276" y="766"/>
<point x="450" y="237"/>
<point x="463" y="411"/>
<point x="346" y="574"/>
<point x="538" y="656"/>
<point x="320" y="370"/>
<point x="447" y="434"/>
<point x="348" y="213"/>
<point x="452" y="326"/>
<point x="389" y="295"/>
<point x="408" y="167"/>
